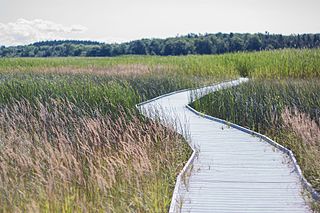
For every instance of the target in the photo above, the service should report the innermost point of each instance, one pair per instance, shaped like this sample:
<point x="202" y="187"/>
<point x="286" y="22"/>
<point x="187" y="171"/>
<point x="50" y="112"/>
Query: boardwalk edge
<point x="176" y="199"/>
<point x="315" y="195"/>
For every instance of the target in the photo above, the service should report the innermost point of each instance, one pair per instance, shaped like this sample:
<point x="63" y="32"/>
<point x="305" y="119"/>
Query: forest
<point x="206" y="44"/>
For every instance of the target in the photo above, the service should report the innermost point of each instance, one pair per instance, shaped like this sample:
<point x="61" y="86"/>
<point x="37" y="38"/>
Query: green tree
<point x="236" y="44"/>
<point x="221" y="46"/>
<point x="253" y="43"/>
<point x="155" y="47"/>
<point x="137" y="47"/>
<point x="203" y="46"/>
<point x="182" y="47"/>
<point x="106" y="50"/>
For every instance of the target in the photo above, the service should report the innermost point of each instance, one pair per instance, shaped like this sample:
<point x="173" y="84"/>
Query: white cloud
<point x="27" y="31"/>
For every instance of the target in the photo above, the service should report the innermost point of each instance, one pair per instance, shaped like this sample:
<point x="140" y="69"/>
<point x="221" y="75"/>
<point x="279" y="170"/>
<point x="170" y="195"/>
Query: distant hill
<point x="218" y="43"/>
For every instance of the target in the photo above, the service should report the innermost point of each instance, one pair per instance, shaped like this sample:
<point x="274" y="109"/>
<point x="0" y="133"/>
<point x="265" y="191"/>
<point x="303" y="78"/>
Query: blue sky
<point x="25" y="21"/>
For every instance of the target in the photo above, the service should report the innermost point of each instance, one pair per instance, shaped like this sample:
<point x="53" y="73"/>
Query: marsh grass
<point x="304" y="134"/>
<point x="258" y="104"/>
<point x="74" y="142"/>
<point x="71" y="139"/>
<point x="58" y="158"/>
<point x="275" y="64"/>
<point x="120" y="70"/>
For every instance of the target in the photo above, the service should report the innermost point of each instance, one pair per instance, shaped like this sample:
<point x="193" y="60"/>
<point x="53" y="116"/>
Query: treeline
<point x="59" y="42"/>
<point x="190" y="44"/>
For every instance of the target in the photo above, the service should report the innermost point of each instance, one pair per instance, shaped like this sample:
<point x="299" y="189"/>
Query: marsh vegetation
<point x="71" y="138"/>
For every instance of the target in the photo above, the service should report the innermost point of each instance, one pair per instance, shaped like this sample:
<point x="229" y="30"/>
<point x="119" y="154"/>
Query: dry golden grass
<point x="305" y="142"/>
<point x="54" y="157"/>
<point x="117" y="70"/>
<point x="69" y="141"/>
<point x="302" y="125"/>
<point x="302" y="135"/>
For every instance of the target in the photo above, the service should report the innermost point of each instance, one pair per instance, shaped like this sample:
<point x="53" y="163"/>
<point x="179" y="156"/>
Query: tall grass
<point x="286" y="110"/>
<point x="125" y="85"/>
<point x="72" y="141"/>
<point x="58" y="158"/>
<point x="260" y="103"/>
<point x="266" y="64"/>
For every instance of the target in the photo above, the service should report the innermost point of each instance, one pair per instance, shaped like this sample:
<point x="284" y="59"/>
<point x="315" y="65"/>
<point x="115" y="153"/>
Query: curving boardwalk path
<point x="232" y="171"/>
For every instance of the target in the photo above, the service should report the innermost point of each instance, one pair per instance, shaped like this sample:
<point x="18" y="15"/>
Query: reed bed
<point x="90" y="91"/>
<point x="55" y="157"/>
<point x="74" y="142"/>
<point x="71" y="139"/>
<point x="286" y="110"/>
<point x="294" y="63"/>
<point x="259" y="104"/>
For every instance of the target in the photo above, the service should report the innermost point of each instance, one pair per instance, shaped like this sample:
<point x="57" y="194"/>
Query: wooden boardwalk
<point x="232" y="171"/>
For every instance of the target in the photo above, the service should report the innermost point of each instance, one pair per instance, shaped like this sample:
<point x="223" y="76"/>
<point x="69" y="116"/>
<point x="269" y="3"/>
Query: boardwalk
<point x="233" y="171"/>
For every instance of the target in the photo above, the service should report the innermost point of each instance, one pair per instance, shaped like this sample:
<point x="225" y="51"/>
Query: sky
<point x="28" y="21"/>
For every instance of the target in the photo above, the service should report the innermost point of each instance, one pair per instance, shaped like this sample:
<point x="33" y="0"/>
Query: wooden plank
<point x="232" y="171"/>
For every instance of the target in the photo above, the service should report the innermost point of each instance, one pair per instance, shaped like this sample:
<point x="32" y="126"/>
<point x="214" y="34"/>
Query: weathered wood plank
<point x="232" y="171"/>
